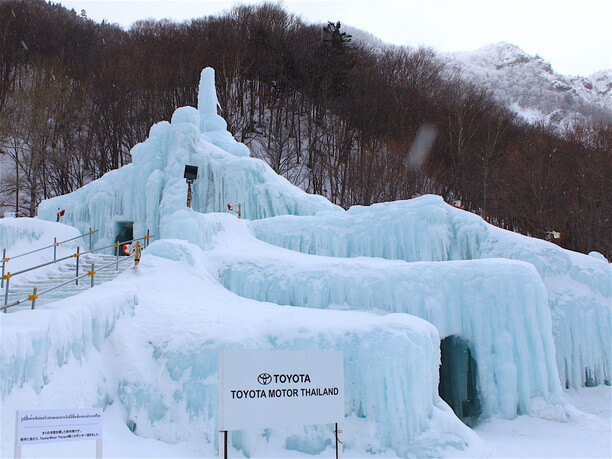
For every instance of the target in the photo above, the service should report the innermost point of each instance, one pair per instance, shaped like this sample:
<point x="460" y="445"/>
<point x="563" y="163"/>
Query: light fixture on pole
<point x="191" y="173"/>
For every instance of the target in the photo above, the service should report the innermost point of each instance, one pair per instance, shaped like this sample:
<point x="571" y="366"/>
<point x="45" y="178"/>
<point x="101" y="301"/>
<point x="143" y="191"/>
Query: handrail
<point x="39" y="266"/>
<point x="116" y="244"/>
<point x="29" y="298"/>
<point x="78" y="254"/>
<point x="55" y="244"/>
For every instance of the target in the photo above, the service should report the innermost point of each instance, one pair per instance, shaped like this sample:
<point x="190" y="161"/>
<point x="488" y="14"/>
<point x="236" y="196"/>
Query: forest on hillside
<point x="329" y="114"/>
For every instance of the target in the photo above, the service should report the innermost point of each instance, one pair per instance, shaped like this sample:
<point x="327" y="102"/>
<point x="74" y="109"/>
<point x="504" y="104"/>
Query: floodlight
<point x="191" y="173"/>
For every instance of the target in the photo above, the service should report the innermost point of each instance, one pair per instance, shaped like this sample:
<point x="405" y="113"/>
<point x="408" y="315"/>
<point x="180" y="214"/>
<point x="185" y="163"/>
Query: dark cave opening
<point x="459" y="379"/>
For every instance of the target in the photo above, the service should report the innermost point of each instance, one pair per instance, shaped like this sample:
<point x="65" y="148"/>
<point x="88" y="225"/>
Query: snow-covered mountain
<point x="526" y="84"/>
<point x="530" y="87"/>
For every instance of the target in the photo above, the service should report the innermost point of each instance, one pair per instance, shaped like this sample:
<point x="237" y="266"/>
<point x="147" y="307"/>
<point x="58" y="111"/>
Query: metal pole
<point x="147" y="239"/>
<point x="6" y="290"/>
<point x="117" y="257"/>
<point x="17" y="450"/>
<point x="92" y="272"/>
<point x="99" y="448"/>
<point x="54" y="249"/>
<point x="223" y="444"/>
<point x="189" y="194"/>
<point x="338" y="442"/>
<point x="34" y="296"/>
<point x="90" y="233"/>
<point x="78" y="256"/>
<point x="137" y="254"/>
<point x="3" y="265"/>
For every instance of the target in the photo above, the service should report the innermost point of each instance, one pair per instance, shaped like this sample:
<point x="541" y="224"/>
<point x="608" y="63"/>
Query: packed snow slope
<point x="153" y="185"/>
<point x="499" y="306"/>
<point x="149" y="341"/>
<point x="426" y="229"/>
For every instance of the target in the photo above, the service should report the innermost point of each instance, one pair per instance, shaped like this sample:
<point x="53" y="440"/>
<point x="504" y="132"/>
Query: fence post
<point x="90" y="233"/>
<point x="92" y="273"/>
<point x="6" y="289"/>
<point x="3" y="265"/>
<point x="33" y="297"/>
<point x="117" y="256"/>
<point x="147" y="239"/>
<point x="136" y="253"/>
<point x="78" y="256"/>
<point x="54" y="249"/>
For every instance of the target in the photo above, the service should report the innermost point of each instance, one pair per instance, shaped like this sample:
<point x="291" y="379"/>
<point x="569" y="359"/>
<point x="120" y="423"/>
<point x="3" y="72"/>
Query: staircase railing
<point x="55" y="245"/>
<point x="78" y="254"/>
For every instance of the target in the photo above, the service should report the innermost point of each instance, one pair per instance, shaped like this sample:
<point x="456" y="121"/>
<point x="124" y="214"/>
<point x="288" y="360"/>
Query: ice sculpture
<point x="140" y="193"/>
<point x="498" y="306"/>
<point x="149" y="341"/>
<point x="427" y="229"/>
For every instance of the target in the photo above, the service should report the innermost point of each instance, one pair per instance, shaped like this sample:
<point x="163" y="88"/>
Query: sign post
<point x="45" y="426"/>
<point x="264" y="388"/>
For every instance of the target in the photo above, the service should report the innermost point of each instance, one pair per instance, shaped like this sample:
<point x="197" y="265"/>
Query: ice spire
<point x="208" y="103"/>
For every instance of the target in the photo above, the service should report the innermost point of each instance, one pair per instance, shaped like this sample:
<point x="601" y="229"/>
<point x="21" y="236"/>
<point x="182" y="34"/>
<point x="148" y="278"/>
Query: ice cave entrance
<point x="124" y="232"/>
<point x="459" y="379"/>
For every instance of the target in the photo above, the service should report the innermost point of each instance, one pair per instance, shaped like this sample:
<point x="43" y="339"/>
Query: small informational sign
<point x="38" y="426"/>
<point x="264" y="388"/>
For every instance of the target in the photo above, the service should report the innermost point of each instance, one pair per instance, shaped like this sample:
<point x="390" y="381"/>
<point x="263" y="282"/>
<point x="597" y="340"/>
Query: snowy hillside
<point x="530" y="87"/>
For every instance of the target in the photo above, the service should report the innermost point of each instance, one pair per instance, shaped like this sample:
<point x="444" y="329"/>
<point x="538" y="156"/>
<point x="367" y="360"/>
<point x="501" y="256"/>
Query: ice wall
<point x="153" y="185"/>
<point x="149" y="341"/>
<point x="426" y="229"/>
<point x="499" y="306"/>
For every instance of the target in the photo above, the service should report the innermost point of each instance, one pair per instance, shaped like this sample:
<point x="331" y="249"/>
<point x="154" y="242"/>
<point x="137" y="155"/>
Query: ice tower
<point x="143" y="194"/>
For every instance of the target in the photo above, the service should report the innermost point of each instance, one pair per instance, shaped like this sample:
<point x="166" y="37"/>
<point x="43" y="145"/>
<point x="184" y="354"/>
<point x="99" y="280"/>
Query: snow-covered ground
<point x="525" y="437"/>
<point x="587" y="435"/>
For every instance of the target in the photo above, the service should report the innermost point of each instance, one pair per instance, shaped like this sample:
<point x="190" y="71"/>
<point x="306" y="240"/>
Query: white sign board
<point x="261" y="388"/>
<point x="39" y="426"/>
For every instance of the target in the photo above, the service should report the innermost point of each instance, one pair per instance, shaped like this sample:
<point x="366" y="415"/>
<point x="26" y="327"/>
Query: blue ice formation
<point x="426" y="229"/>
<point x="149" y="341"/>
<point x="498" y="306"/>
<point x="153" y="186"/>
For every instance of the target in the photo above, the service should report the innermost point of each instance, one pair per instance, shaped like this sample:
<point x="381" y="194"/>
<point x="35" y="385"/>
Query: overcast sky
<point x="575" y="36"/>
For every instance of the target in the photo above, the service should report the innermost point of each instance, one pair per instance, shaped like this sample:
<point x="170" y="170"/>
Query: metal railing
<point x="35" y="294"/>
<point x="55" y="245"/>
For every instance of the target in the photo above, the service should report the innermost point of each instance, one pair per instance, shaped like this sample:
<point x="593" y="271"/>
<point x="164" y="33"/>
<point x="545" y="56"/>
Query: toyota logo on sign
<point x="264" y="378"/>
